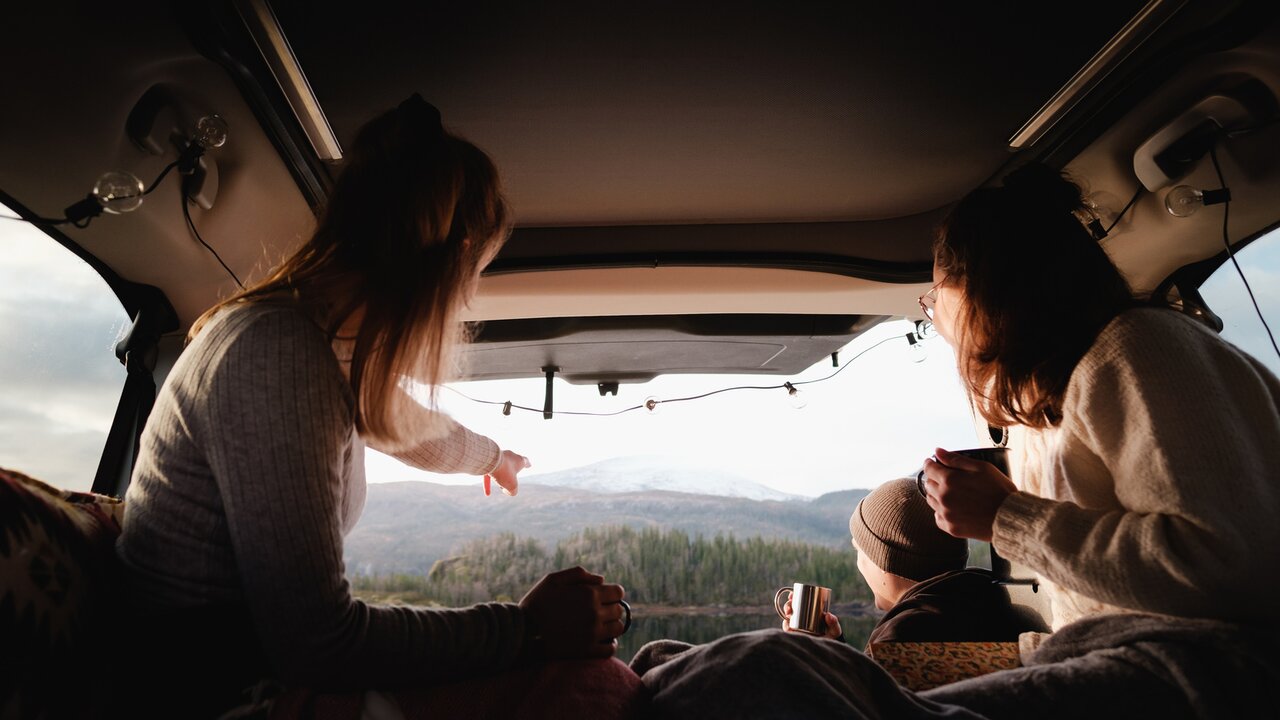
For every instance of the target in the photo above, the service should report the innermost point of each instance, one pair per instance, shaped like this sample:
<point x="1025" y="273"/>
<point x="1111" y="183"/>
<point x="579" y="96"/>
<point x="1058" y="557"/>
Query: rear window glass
<point x="1226" y="295"/>
<point x="702" y="509"/>
<point x="59" y="377"/>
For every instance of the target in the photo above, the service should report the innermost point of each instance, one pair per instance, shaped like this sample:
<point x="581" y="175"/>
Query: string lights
<point x="652" y="404"/>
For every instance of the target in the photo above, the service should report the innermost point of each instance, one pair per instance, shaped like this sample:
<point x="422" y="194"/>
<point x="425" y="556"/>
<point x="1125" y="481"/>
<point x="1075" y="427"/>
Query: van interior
<point x="700" y="188"/>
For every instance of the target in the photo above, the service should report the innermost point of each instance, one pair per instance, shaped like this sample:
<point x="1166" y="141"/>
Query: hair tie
<point x="423" y="115"/>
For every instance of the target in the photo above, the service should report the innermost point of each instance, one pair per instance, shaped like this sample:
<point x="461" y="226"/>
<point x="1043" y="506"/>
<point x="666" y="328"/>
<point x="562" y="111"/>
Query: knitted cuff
<point x="1018" y="526"/>
<point x="497" y="462"/>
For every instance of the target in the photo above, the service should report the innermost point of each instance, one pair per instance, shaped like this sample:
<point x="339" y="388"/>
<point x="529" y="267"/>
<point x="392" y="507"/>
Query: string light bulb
<point x="211" y="132"/>
<point x="118" y="192"/>
<point x="915" y="349"/>
<point x="795" y="397"/>
<point x="651" y="405"/>
<point x="1184" y="200"/>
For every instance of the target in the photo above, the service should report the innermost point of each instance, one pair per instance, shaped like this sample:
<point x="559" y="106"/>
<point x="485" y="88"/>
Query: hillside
<point x="406" y="527"/>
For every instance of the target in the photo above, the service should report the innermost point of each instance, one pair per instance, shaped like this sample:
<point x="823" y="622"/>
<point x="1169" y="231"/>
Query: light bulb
<point x="797" y="399"/>
<point x="211" y="132"/>
<point x="925" y="330"/>
<point x="118" y="191"/>
<point x="1183" y="201"/>
<point x="915" y="349"/>
<point x="651" y="405"/>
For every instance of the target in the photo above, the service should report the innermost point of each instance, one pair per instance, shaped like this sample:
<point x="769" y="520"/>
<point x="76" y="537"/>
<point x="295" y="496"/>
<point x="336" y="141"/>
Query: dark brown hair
<point x="1037" y="290"/>
<point x="413" y="218"/>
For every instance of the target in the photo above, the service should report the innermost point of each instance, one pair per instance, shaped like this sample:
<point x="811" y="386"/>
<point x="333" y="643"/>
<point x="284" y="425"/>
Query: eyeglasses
<point x="929" y="299"/>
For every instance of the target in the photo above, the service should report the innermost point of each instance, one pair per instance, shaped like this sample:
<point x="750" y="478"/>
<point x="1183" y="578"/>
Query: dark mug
<point x="626" y="624"/>
<point x="998" y="456"/>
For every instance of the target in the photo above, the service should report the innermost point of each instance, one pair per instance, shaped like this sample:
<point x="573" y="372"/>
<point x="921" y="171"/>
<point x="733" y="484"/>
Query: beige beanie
<point x="894" y="527"/>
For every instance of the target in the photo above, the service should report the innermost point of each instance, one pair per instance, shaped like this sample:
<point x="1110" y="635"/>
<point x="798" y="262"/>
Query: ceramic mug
<point x="998" y="456"/>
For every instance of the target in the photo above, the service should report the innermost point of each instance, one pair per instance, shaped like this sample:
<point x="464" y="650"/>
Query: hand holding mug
<point x="576" y="614"/>
<point x="965" y="493"/>
<point x="829" y="619"/>
<point x="814" y="603"/>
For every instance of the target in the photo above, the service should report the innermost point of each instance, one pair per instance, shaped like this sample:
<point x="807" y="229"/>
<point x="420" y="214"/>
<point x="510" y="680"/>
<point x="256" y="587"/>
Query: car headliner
<point x="752" y="143"/>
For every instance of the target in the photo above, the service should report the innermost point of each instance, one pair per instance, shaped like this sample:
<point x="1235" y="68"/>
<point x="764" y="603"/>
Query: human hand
<point x="965" y="494"/>
<point x="509" y="466"/>
<point x="576" y="614"/>
<point x="832" y="622"/>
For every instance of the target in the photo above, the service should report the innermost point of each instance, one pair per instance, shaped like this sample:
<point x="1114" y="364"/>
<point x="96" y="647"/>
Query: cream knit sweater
<point x="1160" y="489"/>
<point x="249" y="475"/>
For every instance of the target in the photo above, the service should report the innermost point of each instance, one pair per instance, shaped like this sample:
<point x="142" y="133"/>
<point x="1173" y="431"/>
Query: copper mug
<point x="809" y="605"/>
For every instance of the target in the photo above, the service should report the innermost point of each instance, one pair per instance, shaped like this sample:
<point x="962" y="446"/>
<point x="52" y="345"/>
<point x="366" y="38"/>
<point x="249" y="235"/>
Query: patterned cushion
<point x="924" y="665"/>
<point x="57" y="567"/>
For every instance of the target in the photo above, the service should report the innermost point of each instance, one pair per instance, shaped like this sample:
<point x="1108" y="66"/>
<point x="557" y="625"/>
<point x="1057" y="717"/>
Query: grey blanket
<point x="1121" y="666"/>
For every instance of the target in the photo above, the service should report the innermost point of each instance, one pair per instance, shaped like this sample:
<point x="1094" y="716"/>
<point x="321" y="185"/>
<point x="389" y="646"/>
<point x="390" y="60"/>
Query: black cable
<point x="1226" y="241"/>
<point x="1137" y="194"/>
<point x="156" y="183"/>
<point x="43" y="221"/>
<point x="681" y="399"/>
<point x="186" y="213"/>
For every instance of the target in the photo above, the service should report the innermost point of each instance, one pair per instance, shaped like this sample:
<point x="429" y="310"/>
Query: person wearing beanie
<point x="918" y="575"/>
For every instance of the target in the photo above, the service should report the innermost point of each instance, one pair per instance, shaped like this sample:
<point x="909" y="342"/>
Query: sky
<point x="877" y="420"/>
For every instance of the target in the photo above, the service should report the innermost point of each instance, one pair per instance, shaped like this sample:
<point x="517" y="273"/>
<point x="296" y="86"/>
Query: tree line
<point x="657" y="567"/>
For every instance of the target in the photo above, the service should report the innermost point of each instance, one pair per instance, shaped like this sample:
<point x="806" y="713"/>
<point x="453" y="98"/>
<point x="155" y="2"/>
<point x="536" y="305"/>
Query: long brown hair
<point x="415" y="215"/>
<point x="1037" y="290"/>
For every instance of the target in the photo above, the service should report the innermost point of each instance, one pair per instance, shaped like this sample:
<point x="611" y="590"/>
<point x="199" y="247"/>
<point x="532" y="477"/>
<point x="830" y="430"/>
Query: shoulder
<point x="1137" y="332"/>
<point x="265" y="345"/>
<point x="258" y="321"/>
<point x="1155" y="347"/>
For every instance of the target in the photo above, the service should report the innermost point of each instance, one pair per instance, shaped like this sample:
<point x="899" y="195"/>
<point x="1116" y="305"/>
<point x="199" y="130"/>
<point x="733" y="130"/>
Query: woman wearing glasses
<point x="1151" y="444"/>
<point x="1148" y="502"/>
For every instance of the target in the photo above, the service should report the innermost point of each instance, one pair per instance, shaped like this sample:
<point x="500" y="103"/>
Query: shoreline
<point x="857" y="609"/>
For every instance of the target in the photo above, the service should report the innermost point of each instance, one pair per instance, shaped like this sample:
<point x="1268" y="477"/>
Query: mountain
<point x="407" y="526"/>
<point x="643" y="473"/>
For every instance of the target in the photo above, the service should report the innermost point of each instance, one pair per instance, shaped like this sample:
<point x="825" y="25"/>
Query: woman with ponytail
<point x="250" y="470"/>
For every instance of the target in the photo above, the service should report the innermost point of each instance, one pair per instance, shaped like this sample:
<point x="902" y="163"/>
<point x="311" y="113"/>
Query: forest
<point x="657" y="567"/>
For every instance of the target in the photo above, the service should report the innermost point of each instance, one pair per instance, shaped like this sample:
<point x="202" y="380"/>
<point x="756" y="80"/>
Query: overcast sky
<point x="60" y="382"/>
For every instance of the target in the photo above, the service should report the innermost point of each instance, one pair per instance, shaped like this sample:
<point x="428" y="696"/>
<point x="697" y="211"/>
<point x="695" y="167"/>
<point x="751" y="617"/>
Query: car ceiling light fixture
<point x="1137" y="31"/>
<point x="267" y="34"/>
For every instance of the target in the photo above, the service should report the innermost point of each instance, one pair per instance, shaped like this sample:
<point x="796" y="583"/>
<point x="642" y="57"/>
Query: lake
<point x="703" y="628"/>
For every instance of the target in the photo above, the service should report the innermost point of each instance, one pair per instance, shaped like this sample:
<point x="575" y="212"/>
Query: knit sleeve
<point x="457" y="450"/>
<point x="274" y="426"/>
<point x="1188" y="429"/>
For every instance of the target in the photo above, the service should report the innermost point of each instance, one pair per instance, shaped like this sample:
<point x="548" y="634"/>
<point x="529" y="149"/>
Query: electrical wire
<point x="186" y="213"/>
<point x="1226" y="241"/>
<point x="615" y="413"/>
<point x="82" y="224"/>
<point x="1137" y="194"/>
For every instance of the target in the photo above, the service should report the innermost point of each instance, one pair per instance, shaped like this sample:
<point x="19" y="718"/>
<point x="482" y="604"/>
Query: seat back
<point x="58" y="574"/>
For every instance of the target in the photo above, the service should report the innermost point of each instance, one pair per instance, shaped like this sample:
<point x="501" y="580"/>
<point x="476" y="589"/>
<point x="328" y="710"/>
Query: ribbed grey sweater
<point x="1158" y="491"/>
<point x="250" y="472"/>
